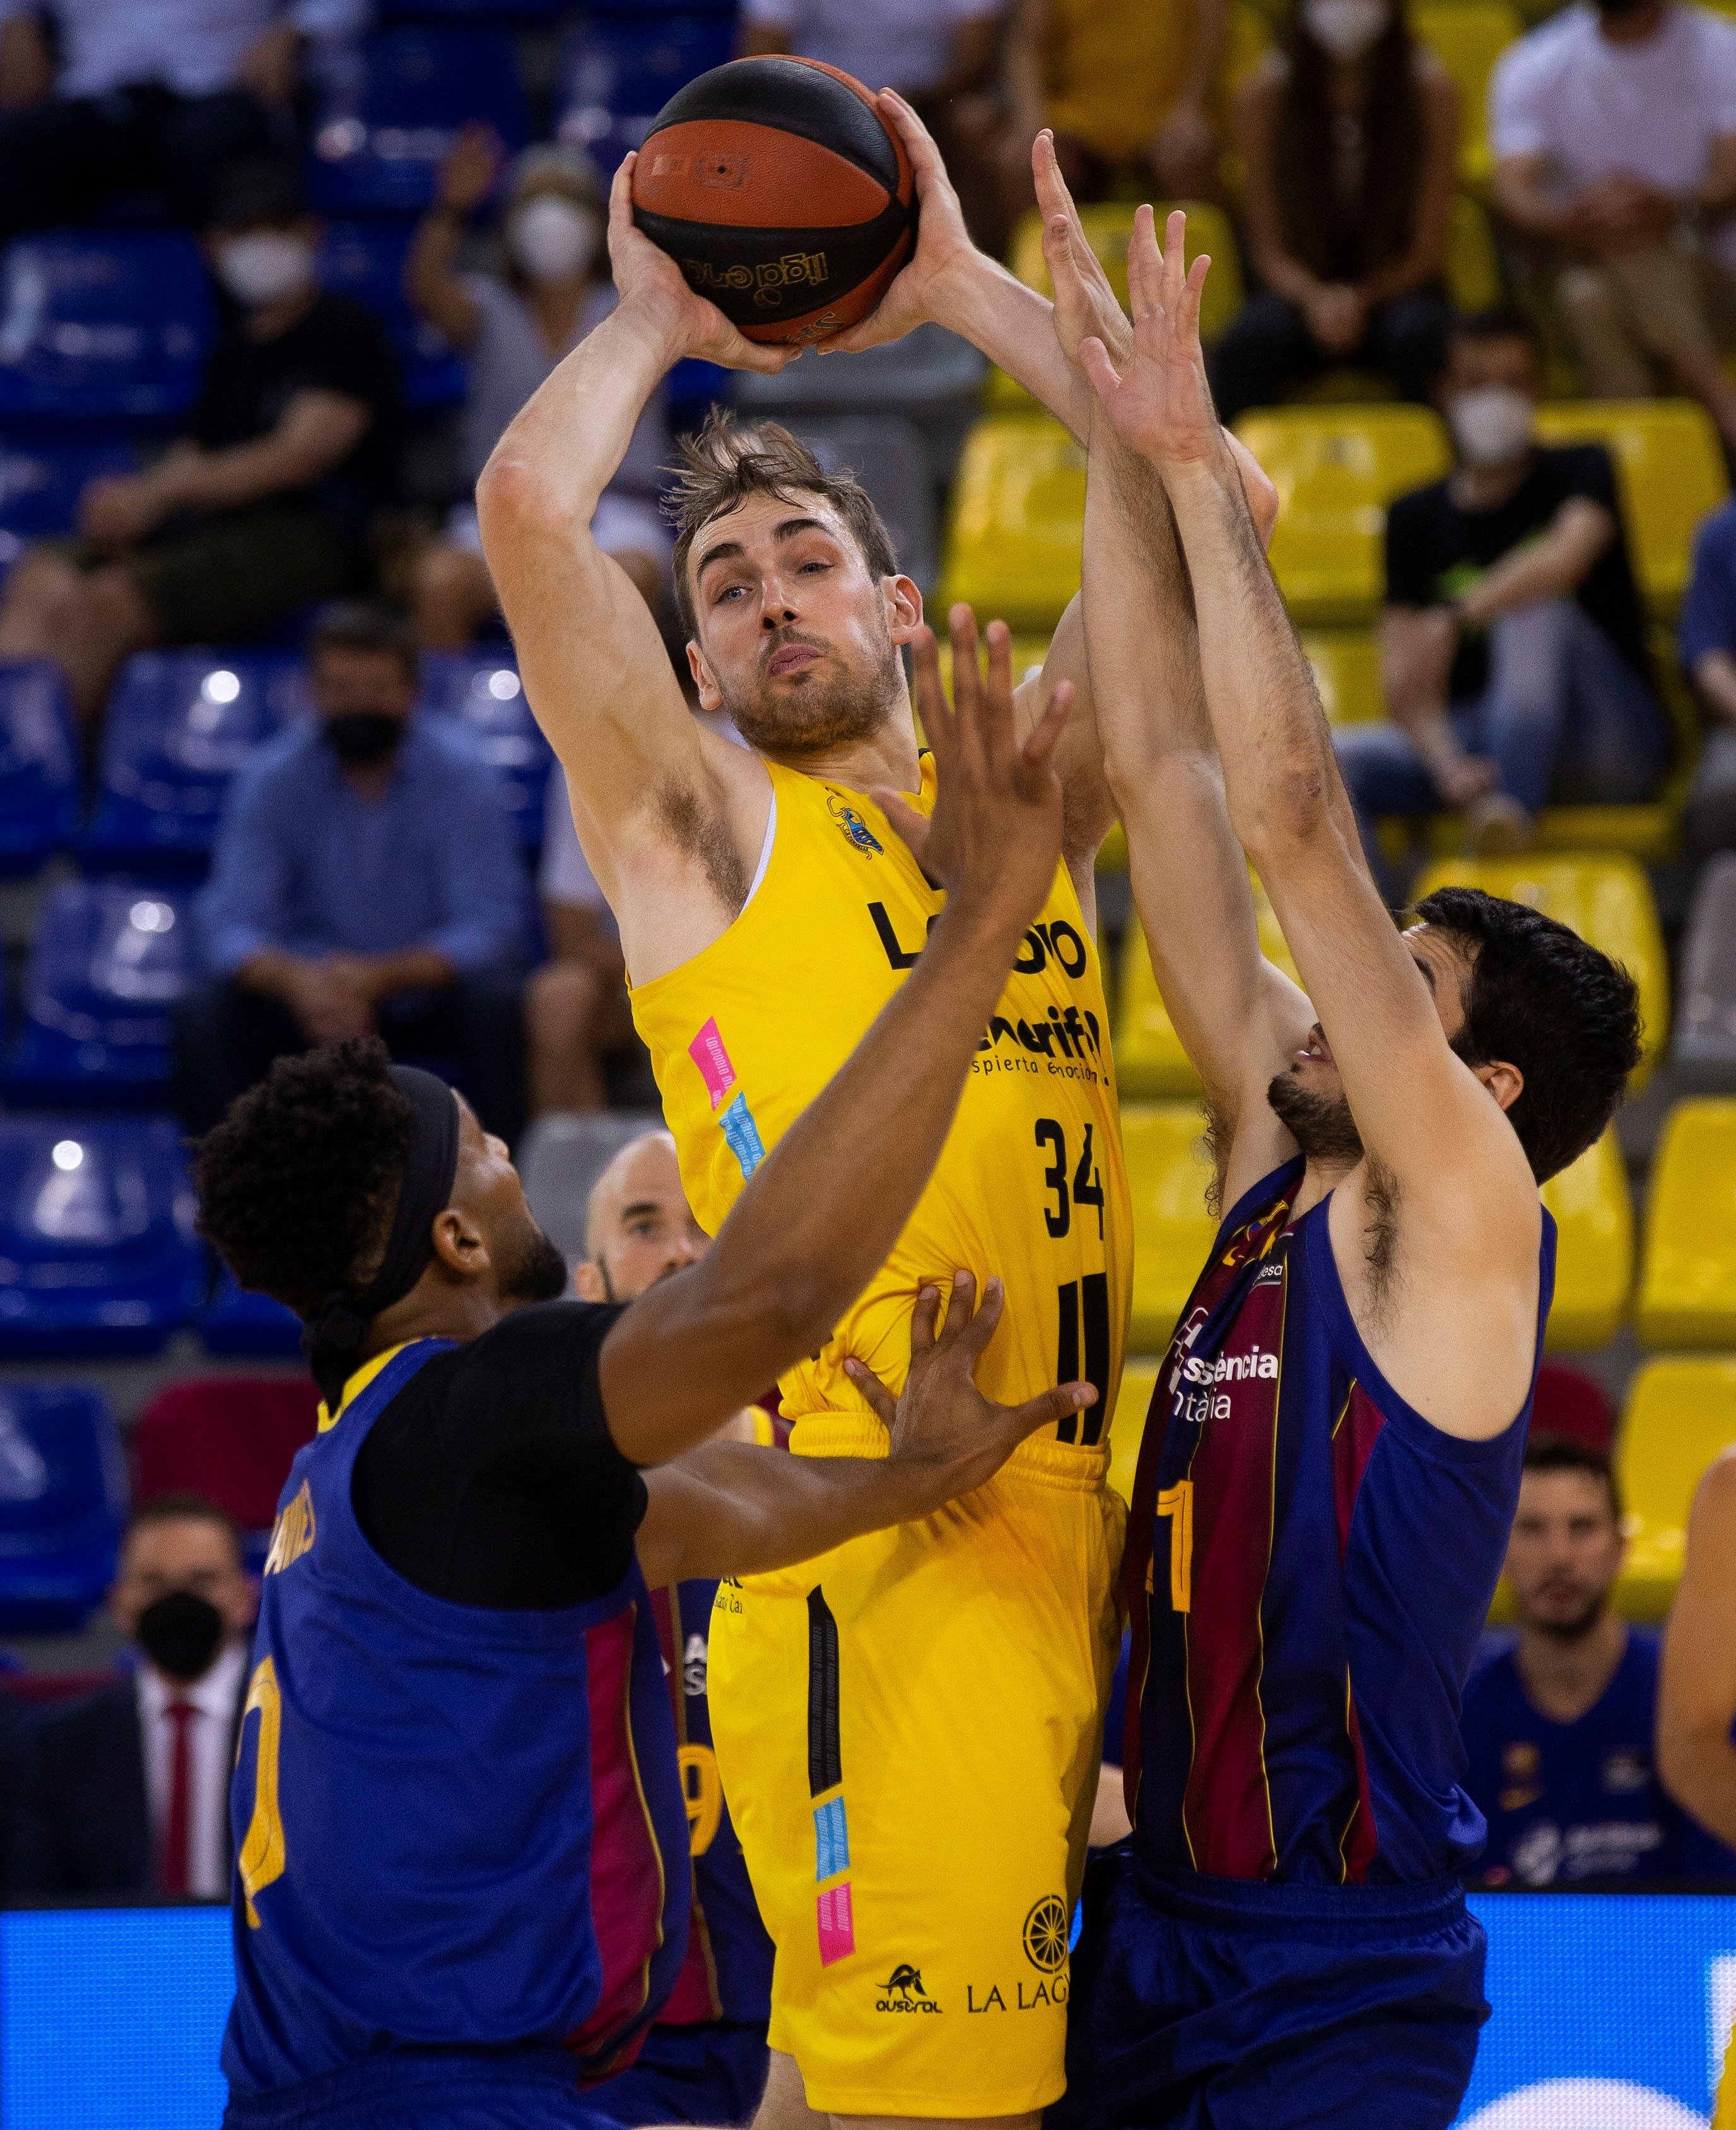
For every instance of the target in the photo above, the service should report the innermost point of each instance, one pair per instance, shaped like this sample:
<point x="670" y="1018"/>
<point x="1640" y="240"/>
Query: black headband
<point x="332" y="1340"/>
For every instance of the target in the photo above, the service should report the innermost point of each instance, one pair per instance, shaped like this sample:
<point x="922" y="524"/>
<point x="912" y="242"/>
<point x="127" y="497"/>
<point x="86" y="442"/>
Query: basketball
<point x="782" y="193"/>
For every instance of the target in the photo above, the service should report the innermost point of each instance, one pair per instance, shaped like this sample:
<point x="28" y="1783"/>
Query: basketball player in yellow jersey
<point x="908" y="1730"/>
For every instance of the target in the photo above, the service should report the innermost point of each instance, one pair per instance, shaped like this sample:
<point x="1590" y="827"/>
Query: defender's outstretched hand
<point x="994" y="837"/>
<point x="647" y="277"/>
<point x="1084" y="303"/>
<point x="1159" y="400"/>
<point x="942" y="1420"/>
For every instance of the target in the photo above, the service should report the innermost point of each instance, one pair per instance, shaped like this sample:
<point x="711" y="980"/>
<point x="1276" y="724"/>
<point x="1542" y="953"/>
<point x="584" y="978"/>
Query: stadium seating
<point x="1606" y="899"/>
<point x="1570" y="1402"/>
<point x="1669" y="472"/>
<point x="365" y="259"/>
<point x="1687" y="1287"/>
<point x="1127" y="1425"/>
<point x="885" y="451"/>
<point x="179" y="725"/>
<point x="102" y="325"/>
<point x="1149" y="1058"/>
<point x="39" y="766"/>
<point x="390" y="105"/>
<point x="623" y="64"/>
<point x="63" y="1495"/>
<point x="1335" y="469"/>
<point x="1018" y="515"/>
<point x="1705" y="1017"/>
<point x="96" y="1251"/>
<point x="43" y="473"/>
<point x="1593" y="1272"/>
<point x="561" y="1156"/>
<point x="231" y="1437"/>
<point x="106" y="965"/>
<point x="1168" y="1176"/>
<point x="235" y="1325"/>
<point x="482" y="690"/>
<point x="1680" y="1413"/>
<point x="1473" y="268"/>
<point x="1469" y="35"/>
<point x="931" y="377"/>
<point x="1346" y="667"/>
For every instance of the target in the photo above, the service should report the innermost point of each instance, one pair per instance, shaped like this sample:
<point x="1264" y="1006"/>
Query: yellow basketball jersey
<point x="1030" y="1185"/>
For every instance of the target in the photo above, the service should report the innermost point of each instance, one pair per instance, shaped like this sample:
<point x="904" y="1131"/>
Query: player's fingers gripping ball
<point x="782" y="193"/>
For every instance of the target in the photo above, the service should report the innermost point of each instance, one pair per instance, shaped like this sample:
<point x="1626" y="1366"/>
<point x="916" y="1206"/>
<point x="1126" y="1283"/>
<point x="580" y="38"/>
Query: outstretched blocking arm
<point x="821" y="1214"/>
<point x="1696" y="1688"/>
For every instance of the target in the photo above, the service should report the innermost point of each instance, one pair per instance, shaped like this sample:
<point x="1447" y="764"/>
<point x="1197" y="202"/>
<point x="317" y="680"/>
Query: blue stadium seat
<point x="620" y="68"/>
<point x="102" y="325"/>
<point x="97" y="1254"/>
<point x="180" y="723"/>
<point x="39" y="765"/>
<point x="63" y="1496"/>
<point x="390" y="105"/>
<point x="482" y="690"/>
<point x="42" y="475"/>
<point x="107" y="964"/>
<point x="234" y="1323"/>
<point x="365" y="259"/>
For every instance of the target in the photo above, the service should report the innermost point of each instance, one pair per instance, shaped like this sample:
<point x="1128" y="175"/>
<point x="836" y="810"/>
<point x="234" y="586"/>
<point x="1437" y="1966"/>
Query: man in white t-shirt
<point x="1614" y="129"/>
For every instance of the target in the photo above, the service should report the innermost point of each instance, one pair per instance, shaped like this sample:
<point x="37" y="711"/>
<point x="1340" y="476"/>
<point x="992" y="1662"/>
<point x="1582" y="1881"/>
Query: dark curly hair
<point x="297" y="1184"/>
<point x="1541" y="998"/>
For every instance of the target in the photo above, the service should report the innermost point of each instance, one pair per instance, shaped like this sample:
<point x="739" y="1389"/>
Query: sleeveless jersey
<point x="458" y="1827"/>
<point x="1309" y="1566"/>
<point x="1029" y="1184"/>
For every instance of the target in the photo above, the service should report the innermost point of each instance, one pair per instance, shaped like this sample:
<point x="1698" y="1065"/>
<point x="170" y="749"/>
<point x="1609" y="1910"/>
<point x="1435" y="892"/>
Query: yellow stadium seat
<point x="1018" y="518"/>
<point x="1680" y="1414"/>
<point x="1127" y="1428"/>
<point x="1346" y="665"/>
<point x="1606" y="899"/>
<point x="1593" y="1268"/>
<point x="1149" y="1058"/>
<point x="1167" y="1175"/>
<point x="1687" y="1285"/>
<point x="1335" y="469"/>
<point x="1670" y="472"/>
<point x="1473" y="271"/>
<point x="1469" y="35"/>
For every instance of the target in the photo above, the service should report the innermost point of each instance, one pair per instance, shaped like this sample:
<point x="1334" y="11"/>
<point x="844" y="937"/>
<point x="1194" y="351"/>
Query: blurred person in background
<point x="366" y="881"/>
<point x="1513" y="651"/>
<point x="1706" y="641"/>
<point x="1614" y="132"/>
<point x="1558" y="1730"/>
<point x="263" y="505"/>
<point x="513" y="328"/>
<point x="100" y="96"/>
<point x="127" y="1791"/>
<point x="1349" y="133"/>
<point x="577" y="1011"/>
<point x="1696" y="1700"/>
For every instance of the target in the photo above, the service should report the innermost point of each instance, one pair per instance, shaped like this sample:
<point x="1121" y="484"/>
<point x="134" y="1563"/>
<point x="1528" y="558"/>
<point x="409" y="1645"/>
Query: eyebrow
<point x="639" y="1207"/>
<point x="785" y="529"/>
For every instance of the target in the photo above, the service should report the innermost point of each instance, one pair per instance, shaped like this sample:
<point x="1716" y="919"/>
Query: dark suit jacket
<point x="83" y="1819"/>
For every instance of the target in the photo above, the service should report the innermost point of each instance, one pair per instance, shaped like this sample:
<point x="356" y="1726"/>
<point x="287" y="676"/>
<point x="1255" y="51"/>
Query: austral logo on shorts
<point x="902" y="1991"/>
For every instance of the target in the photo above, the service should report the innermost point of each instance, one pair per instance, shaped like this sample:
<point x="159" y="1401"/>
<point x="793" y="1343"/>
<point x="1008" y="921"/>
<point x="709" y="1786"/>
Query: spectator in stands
<point x="157" y="95"/>
<point x="263" y="506"/>
<point x="514" y="329"/>
<point x="1512" y="648"/>
<point x="365" y="880"/>
<point x="576" y="1006"/>
<point x="1349" y="137"/>
<point x="127" y="1792"/>
<point x="1707" y="643"/>
<point x="1696" y="1709"/>
<point x="1558" y="1730"/>
<point x="1614" y="132"/>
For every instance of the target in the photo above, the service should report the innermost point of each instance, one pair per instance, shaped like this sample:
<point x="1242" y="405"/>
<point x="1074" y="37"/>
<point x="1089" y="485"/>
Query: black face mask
<point x="181" y="1634"/>
<point x="362" y="738"/>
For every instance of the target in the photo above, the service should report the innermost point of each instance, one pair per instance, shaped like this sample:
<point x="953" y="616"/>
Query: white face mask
<point x="1492" y="425"/>
<point x="1347" y="28"/>
<point x="266" y="266"/>
<point x="553" y="239"/>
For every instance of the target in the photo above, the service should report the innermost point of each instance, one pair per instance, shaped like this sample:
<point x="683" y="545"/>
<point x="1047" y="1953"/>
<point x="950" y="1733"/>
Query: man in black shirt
<point x="1513" y="643"/>
<point x="262" y="507"/>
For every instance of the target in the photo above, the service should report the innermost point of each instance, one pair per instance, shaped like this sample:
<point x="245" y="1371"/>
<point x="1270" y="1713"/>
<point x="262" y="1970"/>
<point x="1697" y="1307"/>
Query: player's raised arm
<point x="1696" y="1691"/>
<point x="823" y="1211"/>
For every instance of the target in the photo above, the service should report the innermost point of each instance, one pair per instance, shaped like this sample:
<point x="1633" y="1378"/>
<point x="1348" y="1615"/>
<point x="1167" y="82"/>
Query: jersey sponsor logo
<point x="710" y="1054"/>
<point x="1229" y="1368"/>
<point x="294" y="1534"/>
<point x="1628" y="1769"/>
<point x="1607" y="1848"/>
<point x="854" y="829"/>
<point x="694" y="1656"/>
<point x="911" y="1997"/>
<point x="1045" y="1934"/>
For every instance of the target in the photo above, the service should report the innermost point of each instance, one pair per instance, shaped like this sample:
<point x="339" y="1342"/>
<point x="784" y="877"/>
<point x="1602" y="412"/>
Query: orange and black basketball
<point x="782" y="193"/>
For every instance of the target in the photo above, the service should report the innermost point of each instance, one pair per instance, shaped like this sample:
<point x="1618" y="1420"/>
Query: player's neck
<point x="1322" y="1177"/>
<point x="1563" y="1678"/>
<point x="435" y="1308"/>
<point x="888" y="757"/>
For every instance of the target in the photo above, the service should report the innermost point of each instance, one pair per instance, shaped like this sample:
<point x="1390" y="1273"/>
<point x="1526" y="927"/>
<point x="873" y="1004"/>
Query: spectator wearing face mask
<point x="1350" y="137"/>
<point x="1512" y="648"/>
<point x="127" y="1792"/>
<point x="1614" y="129"/>
<point x="514" y="329"/>
<point x="263" y="506"/>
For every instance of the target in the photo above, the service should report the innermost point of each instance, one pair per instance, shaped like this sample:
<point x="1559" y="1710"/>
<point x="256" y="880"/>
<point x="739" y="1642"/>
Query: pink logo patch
<point x="837" y="1929"/>
<point x="707" y="1052"/>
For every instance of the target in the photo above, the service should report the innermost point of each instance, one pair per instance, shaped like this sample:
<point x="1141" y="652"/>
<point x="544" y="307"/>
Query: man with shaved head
<point x="638" y="1226"/>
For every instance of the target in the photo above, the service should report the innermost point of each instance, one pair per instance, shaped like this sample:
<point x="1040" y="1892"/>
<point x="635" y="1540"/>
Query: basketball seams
<point x="781" y="92"/>
<point x="774" y="168"/>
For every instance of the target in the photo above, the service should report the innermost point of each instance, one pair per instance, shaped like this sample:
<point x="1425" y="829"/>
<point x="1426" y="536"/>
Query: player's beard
<point x="537" y="1272"/>
<point x="817" y="715"/>
<point x="1321" y="1125"/>
<point x="1577" y="1626"/>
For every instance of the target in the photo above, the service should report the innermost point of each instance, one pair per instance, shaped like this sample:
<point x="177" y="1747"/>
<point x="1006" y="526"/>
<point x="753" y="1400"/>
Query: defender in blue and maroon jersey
<point x="1332" y="1459"/>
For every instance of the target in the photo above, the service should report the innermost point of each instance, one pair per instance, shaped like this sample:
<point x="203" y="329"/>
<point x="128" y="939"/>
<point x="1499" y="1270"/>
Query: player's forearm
<point x="1698" y="1768"/>
<point x="1013" y="326"/>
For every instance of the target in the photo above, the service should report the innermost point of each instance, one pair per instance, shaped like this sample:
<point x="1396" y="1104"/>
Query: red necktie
<point x="172" y="1866"/>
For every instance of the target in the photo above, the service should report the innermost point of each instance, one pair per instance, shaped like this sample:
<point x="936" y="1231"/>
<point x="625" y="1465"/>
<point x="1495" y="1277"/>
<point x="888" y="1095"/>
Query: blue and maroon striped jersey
<point x="459" y="1827"/>
<point x="1309" y="1565"/>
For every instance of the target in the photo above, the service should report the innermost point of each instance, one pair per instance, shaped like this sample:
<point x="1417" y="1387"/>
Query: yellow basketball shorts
<point x="1724" y="2106"/>
<point x="908" y="1730"/>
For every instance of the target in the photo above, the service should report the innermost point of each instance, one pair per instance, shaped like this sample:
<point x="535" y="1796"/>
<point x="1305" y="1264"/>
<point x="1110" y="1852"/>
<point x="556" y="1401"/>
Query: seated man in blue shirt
<point x="1707" y="642"/>
<point x="366" y="880"/>
<point x="1559" y="1730"/>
